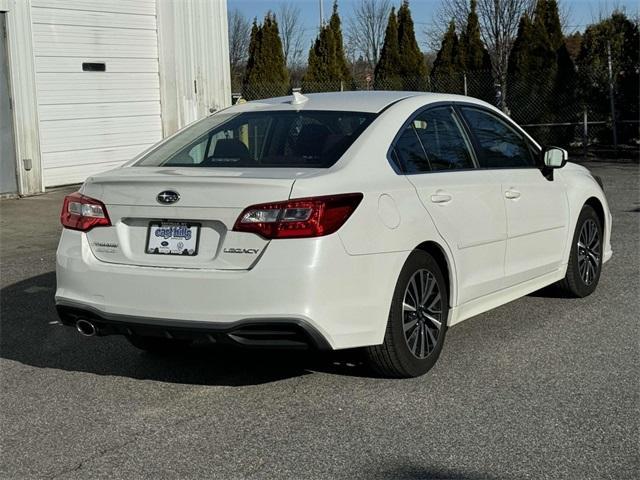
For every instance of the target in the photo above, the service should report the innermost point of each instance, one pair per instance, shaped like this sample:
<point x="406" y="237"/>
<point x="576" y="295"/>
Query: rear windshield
<point x="312" y="139"/>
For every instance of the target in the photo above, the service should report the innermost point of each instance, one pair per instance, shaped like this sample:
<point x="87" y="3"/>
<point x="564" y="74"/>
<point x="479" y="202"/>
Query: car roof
<point x="359" y="101"/>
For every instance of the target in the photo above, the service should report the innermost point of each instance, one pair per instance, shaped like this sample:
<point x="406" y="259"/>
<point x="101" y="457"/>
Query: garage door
<point x="98" y="84"/>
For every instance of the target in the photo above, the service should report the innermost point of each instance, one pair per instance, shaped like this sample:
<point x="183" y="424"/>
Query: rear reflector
<point x="299" y="218"/>
<point x="83" y="213"/>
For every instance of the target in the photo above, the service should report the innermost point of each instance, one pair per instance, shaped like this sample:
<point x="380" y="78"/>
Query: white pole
<point x="321" y="13"/>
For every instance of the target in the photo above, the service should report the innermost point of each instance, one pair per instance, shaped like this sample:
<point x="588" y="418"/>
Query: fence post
<point x="585" y="131"/>
<point x="464" y="77"/>
<point x="612" y="102"/>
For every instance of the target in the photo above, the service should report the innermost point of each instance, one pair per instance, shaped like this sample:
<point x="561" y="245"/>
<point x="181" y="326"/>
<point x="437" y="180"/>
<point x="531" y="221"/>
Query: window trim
<point x="528" y="140"/>
<point x="400" y="169"/>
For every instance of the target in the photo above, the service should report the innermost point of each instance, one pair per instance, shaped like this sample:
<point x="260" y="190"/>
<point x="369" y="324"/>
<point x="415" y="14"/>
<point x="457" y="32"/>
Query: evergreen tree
<point x="387" y="72"/>
<point x="554" y="81"/>
<point x="551" y="20"/>
<point x="412" y="65"/>
<point x="474" y="58"/>
<point x="266" y="74"/>
<point x="272" y="48"/>
<point x="327" y="66"/>
<point x="446" y="72"/>
<point x="533" y="50"/>
<point x="519" y="59"/>
<point x="538" y="43"/>
<point x="322" y="73"/>
<point x="542" y="74"/>
<point x="532" y="68"/>
<point x="622" y="37"/>
<point x="522" y="75"/>
<point x="543" y="53"/>
<point x="473" y="55"/>
<point x="566" y="89"/>
<point x="253" y="48"/>
<point x="336" y="27"/>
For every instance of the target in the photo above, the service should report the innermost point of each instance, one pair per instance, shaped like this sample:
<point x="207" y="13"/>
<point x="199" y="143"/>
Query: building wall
<point x="8" y="179"/>
<point x="194" y="60"/>
<point x="93" y="121"/>
<point x="23" y="95"/>
<point x="166" y="64"/>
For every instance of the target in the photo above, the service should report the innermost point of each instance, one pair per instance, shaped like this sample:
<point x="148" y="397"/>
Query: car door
<point x="536" y="205"/>
<point x="465" y="203"/>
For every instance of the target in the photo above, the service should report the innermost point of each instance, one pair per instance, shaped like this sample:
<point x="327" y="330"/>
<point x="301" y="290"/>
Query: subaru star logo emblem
<point x="167" y="197"/>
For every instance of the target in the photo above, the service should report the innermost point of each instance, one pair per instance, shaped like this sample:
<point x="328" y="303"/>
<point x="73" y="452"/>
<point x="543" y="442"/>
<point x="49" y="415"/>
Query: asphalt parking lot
<point x="542" y="388"/>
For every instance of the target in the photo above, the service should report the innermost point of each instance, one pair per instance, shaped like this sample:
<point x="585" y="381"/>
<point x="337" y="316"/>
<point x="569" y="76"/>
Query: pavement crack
<point x="113" y="448"/>
<point x="80" y="465"/>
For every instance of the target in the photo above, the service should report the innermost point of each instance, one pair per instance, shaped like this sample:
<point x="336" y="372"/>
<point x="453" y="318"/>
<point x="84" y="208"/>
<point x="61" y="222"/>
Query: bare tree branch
<point x="291" y="33"/>
<point x="566" y="12"/>
<point x="366" y="29"/>
<point x="456" y="10"/>
<point x="239" y="34"/>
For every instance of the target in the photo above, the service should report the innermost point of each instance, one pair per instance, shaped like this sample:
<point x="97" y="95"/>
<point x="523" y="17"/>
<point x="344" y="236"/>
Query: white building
<point x="87" y="84"/>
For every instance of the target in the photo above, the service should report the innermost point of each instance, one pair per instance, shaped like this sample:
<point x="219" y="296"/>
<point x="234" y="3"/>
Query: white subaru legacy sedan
<point x="333" y="221"/>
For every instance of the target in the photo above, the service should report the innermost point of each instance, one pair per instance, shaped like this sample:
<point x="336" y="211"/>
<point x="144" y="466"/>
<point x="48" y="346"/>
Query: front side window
<point x="443" y="141"/>
<point x="500" y="145"/>
<point x="313" y="139"/>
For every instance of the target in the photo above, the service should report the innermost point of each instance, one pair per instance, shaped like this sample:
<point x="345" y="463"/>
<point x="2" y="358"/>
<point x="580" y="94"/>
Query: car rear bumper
<point x="312" y="286"/>
<point x="261" y="332"/>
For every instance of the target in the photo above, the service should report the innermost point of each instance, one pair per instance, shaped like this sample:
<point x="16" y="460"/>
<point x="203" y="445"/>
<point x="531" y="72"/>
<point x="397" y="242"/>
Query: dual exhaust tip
<point x="86" y="328"/>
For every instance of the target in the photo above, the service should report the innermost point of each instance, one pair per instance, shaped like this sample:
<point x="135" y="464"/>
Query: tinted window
<point x="443" y="140"/>
<point x="500" y="145"/>
<point x="262" y="139"/>
<point x="410" y="153"/>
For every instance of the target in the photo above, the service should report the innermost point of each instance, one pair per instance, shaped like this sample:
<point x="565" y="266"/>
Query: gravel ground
<point x="542" y="388"/>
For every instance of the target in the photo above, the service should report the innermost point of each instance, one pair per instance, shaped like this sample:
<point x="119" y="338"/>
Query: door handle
<point x="512" y="194"/>
<point x="441" y="197"/>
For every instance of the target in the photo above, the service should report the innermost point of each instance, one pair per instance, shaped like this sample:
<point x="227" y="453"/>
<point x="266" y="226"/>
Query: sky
<point x="581" y="12"/>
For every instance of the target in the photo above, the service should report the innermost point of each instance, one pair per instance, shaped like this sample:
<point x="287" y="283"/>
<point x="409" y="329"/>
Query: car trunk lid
<point x="199" y="224"/>
<point x="197" y="187"/>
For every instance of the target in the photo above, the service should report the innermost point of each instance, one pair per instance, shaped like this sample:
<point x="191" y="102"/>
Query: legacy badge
<point x="250" y="251"/>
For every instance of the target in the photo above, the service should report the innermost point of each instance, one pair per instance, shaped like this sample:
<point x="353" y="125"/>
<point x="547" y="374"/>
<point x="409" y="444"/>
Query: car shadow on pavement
<point x="416" y="472"/>
<point x="30" y="334"/>
<point x="551" y="291"/>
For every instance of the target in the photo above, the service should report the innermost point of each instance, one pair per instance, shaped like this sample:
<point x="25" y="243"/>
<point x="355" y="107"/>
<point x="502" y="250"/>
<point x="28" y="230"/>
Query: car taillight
<point x="299" y="218"/>
<point x="83" y="213"/>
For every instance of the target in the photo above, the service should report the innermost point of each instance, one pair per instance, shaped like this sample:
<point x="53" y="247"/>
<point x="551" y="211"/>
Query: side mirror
<point x="554" y="157"/>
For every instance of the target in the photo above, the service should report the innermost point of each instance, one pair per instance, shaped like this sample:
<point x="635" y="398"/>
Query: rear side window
<point x="443" y="140"/>
<point x="501" y="146"/>
<point x="409" y="152"/>
<point x="312" y="139"/>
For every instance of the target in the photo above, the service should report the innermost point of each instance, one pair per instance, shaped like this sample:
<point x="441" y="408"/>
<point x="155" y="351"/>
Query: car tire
<point x="585" y="259"/>
<point x="158" y="345"/>
<point x="409" y="349"/>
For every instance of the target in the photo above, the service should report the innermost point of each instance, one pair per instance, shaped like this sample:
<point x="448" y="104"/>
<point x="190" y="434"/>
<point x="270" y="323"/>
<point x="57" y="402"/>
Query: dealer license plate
<point x="173" y="238"/>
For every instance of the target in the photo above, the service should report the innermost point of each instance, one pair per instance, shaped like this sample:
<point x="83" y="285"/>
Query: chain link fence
<point x="575" y="113"/>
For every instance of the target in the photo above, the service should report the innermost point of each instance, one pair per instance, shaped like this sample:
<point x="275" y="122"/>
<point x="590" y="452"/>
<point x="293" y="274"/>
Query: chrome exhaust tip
<point x="86" y="328"/>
